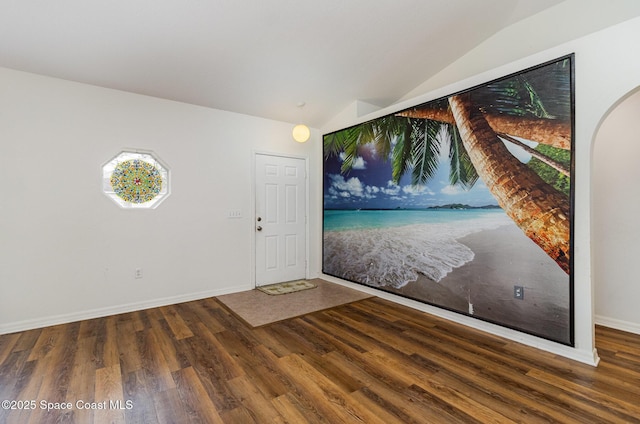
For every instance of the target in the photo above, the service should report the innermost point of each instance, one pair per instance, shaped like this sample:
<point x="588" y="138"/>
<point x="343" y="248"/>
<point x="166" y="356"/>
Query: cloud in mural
<point x="353" y="187"/>
<point x="451" y="190"/>
<point x="358" y="164"/>
<point x="416" y="190"/>
<point x="392" y="189"/>
<point x="342" y="187"/>
<point x="372" y="190"/>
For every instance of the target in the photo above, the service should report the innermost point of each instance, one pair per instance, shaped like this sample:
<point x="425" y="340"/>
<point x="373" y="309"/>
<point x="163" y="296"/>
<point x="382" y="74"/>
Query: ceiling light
<point x="301" y="132"/>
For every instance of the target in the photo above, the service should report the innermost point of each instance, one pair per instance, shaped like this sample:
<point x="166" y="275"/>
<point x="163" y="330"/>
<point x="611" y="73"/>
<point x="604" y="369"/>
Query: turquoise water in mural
<point x="339" y="220"/>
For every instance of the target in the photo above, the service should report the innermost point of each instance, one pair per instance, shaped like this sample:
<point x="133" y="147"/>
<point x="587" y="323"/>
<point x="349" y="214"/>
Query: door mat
<point x="287" y="287"/>
<point x="257" y="308"/>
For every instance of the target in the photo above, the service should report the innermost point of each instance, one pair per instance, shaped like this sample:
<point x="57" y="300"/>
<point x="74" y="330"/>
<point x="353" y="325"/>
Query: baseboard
<point x="585" y="356"/>
<point x="31" y="324"/>
<point x="618" y="324"/>
<point x="589" y="357"/>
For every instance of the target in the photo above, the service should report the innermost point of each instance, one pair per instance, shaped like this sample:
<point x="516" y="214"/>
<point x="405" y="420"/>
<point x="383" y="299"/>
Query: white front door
<point x="280" y="219"/>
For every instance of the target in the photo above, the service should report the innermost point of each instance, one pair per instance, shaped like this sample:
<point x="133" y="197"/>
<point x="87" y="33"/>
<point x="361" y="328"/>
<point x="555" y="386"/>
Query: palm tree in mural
<point x="475" y="124"/>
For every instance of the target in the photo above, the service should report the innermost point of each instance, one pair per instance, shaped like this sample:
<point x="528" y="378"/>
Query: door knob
<point x="259" y="228"/>
<point x="259" y="219"/>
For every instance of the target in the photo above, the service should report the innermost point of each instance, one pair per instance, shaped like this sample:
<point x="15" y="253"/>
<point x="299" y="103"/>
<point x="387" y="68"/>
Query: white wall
<point x="606" y="69"/>
<point x="556" y="25"/>
<point x="68" y="252"/>
<point x="616" y="225"/>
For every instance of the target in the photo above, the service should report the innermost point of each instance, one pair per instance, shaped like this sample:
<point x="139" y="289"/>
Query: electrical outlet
<point x="138" y="273"/>
<point x="518" y="292"/>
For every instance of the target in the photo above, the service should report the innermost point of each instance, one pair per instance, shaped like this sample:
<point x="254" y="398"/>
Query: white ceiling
<point x="257" y="57"/>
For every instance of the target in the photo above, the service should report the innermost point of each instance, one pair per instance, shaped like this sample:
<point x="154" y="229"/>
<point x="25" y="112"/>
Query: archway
<point x="615" y="216"/>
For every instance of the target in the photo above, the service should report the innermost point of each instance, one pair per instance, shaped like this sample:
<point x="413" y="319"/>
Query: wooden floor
<point x="368" y="362"/>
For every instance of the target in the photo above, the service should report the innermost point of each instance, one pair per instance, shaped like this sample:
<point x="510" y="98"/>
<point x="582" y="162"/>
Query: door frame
<point x="254" y="153"/>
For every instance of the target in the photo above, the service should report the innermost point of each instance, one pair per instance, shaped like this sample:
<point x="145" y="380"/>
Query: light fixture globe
<point x="301" y="133"/>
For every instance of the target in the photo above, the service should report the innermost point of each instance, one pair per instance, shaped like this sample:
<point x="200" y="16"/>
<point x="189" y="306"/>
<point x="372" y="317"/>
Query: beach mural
<point x="463" y="202"/>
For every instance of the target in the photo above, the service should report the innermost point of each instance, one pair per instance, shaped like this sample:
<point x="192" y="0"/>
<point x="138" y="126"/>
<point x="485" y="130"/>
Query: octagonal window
<point x="136" y="180"/>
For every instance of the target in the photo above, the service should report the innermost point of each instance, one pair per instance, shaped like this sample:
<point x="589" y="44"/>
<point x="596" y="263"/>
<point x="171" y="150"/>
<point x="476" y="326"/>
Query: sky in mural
<point x="368" y="185"/>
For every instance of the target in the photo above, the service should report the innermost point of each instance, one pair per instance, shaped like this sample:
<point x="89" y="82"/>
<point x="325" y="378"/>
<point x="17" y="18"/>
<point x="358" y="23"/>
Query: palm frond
<point x="425" y="151"/>
<point x="386" y="130"/>
<point x="462" y="171"/>
<point x="401" y="155"/>
<point x="331" y="144"/>
<point x="535" y="105"/>
<point x="367" y="132"/>
<point x="541" y="92"/>
<point x="350" y="149"/>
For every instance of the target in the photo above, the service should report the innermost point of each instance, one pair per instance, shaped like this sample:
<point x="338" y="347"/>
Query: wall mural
<point x="463" y="202"/>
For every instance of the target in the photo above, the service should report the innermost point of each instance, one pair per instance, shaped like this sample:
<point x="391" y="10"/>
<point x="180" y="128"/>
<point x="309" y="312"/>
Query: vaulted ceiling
<point x="257" y="57"/>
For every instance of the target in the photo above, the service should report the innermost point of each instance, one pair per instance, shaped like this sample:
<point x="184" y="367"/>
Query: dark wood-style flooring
<point x="371" y="361"/>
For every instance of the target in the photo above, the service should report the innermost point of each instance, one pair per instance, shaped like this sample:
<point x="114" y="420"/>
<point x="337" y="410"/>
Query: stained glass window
<point x="136" y="180"/>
